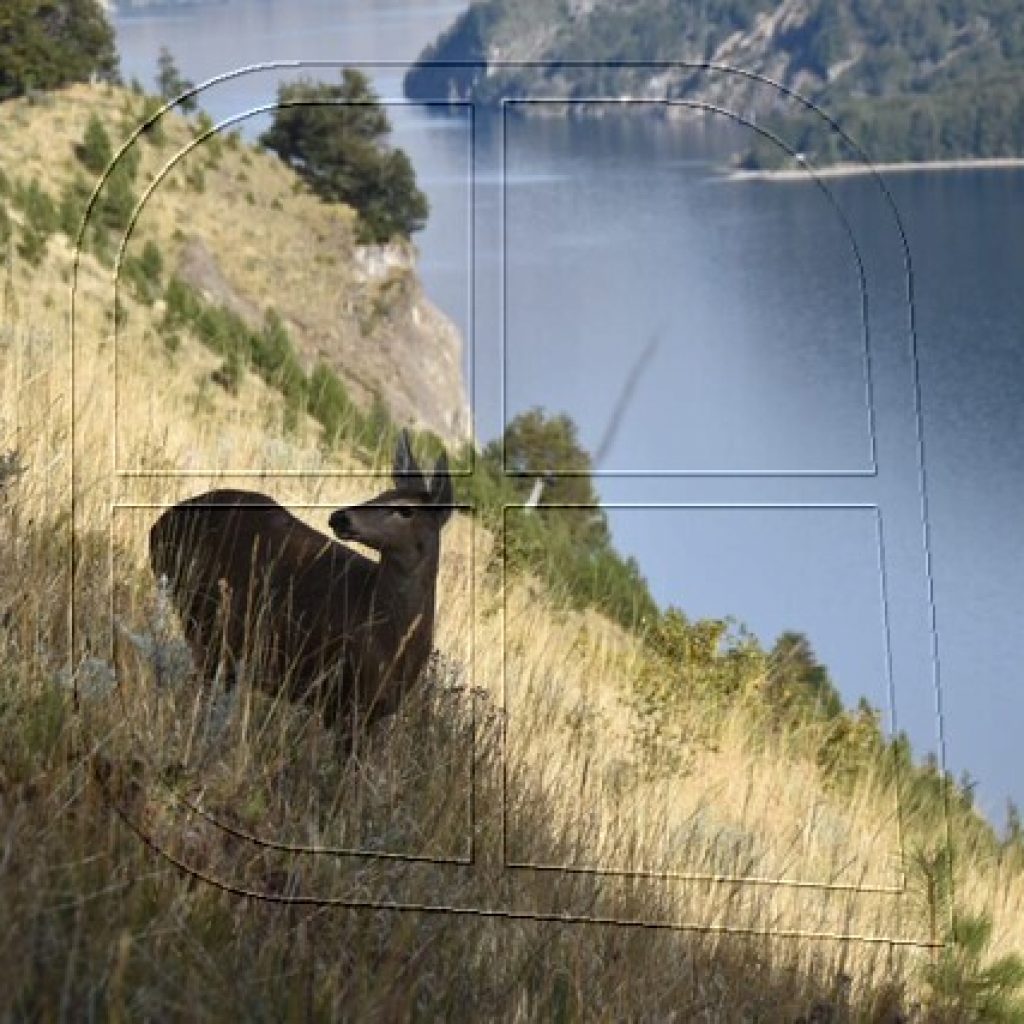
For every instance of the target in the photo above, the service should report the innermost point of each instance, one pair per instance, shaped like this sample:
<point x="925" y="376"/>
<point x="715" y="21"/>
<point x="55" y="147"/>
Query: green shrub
<point x="97" y="241"/>
<point x="213" y="144"/>
<point x="143" y="272"/>
<point x="183" y="305"/>
<point x="154" y="133"/>
<point x="230" y="373"/>
<point x="329" y="403"/>
<point x="132" y="275"/>
<point x="103" y="216"/>
<point x="171" y="83"/>
<point x="6" y="230"/>
<point x="113" y="207"/>
<point x="152" y="261"/>
<point x="799" y="686"/>
<point x="292" y="414"/>
<point x="117" y="199"/>
<point x="129" y="161"/>
<point x="40" y="221"/>
<point x="375" y="430"/>
<point x="40" y="213"/>
<point x="32" y="247"/>
<point x="269" y="350"/>
<point x="73" y="203"/>
<point x="274" y="357"/>
<point x="569" y="545"/>
<point x="961" y="983"/>
<point x="95" y="150"/>
<point x="552" y="542"/>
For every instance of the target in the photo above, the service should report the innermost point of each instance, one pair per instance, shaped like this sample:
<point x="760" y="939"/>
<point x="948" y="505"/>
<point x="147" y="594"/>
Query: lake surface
<point x="781" y="372"/>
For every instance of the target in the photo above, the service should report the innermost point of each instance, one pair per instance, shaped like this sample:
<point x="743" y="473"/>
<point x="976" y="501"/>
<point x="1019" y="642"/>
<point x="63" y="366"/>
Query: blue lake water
<point x="782" y="372"/>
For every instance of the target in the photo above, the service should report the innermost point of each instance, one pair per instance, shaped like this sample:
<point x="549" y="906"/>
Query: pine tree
<point x="171" y="83"/>
<point x="46" y="44"/>
<point x="95" y="151"/>
<point x="336" y="138"/>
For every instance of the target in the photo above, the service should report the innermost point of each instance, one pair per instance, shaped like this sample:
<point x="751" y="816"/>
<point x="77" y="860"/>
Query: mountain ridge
<point x="906" y="81"/>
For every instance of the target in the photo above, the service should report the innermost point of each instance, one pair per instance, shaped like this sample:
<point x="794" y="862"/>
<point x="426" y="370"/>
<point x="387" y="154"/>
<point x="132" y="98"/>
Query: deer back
<point x="250" y="578"/>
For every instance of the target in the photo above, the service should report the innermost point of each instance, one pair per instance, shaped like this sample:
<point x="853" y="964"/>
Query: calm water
<point x="773" y="381"/>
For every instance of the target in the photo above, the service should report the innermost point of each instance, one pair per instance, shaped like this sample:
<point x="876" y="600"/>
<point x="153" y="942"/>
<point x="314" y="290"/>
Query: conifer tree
<point x="46" y="44"/>
<point x="335" y="137"/>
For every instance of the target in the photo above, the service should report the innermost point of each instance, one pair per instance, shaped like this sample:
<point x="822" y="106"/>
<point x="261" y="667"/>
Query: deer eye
<point x="405" y="511"/>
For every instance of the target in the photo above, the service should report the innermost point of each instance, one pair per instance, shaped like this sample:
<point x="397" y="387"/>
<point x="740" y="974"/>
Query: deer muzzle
<point x="341" y="524"/>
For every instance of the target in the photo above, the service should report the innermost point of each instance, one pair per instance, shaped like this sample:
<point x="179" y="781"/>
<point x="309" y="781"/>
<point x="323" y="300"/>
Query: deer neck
<point x="409" y="592"/>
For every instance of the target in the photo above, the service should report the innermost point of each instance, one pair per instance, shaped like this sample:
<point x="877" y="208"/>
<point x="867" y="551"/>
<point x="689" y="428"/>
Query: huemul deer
<point x="318" y="621"/>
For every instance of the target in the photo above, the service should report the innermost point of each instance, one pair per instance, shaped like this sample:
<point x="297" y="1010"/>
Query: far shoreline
<point x="848" y="170"/>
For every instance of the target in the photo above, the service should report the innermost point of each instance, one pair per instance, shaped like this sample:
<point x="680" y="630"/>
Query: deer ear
<point x="441" y="487"/>
<point x="407" y="474"/>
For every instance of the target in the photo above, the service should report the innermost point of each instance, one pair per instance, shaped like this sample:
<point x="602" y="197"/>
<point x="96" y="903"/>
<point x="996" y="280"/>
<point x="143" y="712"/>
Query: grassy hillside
<point x="238" y="228"/>
<point x="155" y="841"/>
<point x="908" y="80"/>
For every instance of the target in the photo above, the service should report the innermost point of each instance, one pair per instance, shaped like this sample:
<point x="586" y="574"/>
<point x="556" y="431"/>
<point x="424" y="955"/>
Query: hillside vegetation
<point x="155" y="840"/>
<point x="907" y="80"/>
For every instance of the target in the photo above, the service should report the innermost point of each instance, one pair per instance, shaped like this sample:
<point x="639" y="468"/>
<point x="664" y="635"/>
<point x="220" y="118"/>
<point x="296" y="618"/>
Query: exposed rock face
<point x="417" y="358"/>
<point x="378" y="330"/>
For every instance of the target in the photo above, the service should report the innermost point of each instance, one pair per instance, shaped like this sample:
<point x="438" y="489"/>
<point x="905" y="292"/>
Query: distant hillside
<point x="907" y="79"/>
<point x="127" y="6"/>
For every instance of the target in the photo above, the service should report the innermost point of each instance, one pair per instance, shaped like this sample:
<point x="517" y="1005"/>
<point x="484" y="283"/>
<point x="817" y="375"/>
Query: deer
<point x="325" y="624"/>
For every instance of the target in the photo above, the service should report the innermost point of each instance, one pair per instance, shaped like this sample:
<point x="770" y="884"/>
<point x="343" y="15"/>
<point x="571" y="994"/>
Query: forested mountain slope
<point x="908" y="79"/>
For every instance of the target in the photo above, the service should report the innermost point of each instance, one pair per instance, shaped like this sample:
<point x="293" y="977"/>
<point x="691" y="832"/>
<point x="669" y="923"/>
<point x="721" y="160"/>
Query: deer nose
<point x="339" y="522"/>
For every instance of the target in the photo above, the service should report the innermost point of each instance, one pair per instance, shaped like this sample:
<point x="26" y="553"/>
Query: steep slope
<point x="548" y="737"/>
<point x="238" y="227"/>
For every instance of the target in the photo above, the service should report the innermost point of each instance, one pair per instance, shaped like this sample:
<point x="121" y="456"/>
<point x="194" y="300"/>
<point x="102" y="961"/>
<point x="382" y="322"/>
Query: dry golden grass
<point x="263" y="241"/>
<point x="747" y="833"/>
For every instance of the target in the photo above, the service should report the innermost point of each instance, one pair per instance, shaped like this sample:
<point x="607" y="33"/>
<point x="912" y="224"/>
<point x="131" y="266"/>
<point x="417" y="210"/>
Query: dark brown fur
<point x="313" y="618"/>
